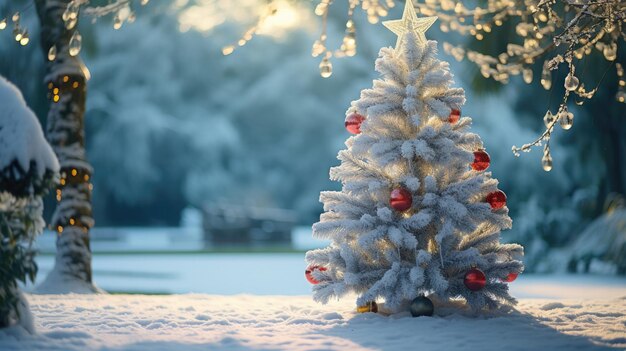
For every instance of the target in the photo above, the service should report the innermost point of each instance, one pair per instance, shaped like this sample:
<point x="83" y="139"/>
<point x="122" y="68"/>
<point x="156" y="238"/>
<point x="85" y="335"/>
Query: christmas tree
<point x="418" y="216"/>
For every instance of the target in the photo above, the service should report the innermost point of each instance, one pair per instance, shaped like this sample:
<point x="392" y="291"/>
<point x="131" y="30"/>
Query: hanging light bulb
<point x="70" y="23"/>
<point x="76" y="42"/>
<point x="227" y="50"/>
<point x="326" y="68"/>
<point x="349" y="40"/>
<point x="16" y="17"/>
<point x="610" y="51"/>
<point x="566" y="119"/>
<point x="546" y="77"/>
<point x="546" y="160"/>
<point x="144" y="2"/>
<point x="117" y="22"/>
<point x="24" y="40"/>
<point x="571" y="82"/>
<point x="52" y="53"/>
<point x="527" y="74"/>
<point x="548" y="118"/>
<point x="70" y="15"/>
<point x="3" y="23"/>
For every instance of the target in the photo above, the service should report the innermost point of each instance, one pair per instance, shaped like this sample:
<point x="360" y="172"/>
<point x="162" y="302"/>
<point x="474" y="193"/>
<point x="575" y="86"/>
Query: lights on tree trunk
<point x="475" y="279"/>
<point x="3" y="24"/>
<point x="353" y="123"/>
<point x="455" y="115"/>
<point x="496" y="199"/>
<point x="309" y="276"/>
<point x="400" y="199"/>
<point x="481" y="160"/>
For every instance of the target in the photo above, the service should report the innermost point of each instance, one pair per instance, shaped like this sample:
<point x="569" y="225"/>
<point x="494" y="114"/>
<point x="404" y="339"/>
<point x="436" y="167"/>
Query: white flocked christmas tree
<point x="418" y="217"/>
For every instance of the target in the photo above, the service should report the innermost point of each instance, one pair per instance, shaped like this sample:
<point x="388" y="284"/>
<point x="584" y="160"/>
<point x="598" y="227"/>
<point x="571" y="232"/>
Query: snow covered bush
<point x="28" y="169"/>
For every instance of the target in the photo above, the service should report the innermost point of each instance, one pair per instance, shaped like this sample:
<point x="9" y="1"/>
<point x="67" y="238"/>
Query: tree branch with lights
<point x="555" y="32"/>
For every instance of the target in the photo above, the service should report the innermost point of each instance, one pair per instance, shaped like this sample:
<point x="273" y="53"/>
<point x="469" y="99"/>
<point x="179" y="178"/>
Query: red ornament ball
<point x="475" y="279"/>
<point x="497" y="199"/>
<point x="309" y="276"/>
<point x="481" y="160"/>
<point x="353" y="123"/>
<point x="511" y="277"/>
<point x="455" y="115"/>
<point x="400" y="199"/>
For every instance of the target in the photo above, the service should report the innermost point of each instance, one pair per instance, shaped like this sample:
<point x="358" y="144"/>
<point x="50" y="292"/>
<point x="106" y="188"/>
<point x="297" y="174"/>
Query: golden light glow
<point x="75" y="85"/>
<point x="206" y="15"/>
<point x="55" y="91"/>
<point x="66" y="79"/>
<point x="74" y="172"/>
<point x="60" y="229"/>
<point x="55" y="98"/>
<point x="72" y="221"/>
<point x="86" y="177"/>
<point x="62" y="181"/>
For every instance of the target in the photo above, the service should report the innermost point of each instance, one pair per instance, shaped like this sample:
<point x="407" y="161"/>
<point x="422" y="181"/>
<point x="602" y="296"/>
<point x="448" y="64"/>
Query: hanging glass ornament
<point x="548" y="119"/>
<point x="566" y="119"/>
<point x="546" y="162"/>
<point x="571" y="82"/>
<point x="76" y="42"/>
<point x="527" y="74"/>
<point x="52" y="53"/>
<point x="326" y="68"/>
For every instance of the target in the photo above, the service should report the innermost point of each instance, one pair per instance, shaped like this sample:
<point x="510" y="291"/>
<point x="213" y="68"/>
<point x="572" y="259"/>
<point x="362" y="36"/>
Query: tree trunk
<point x="66" y="82"/>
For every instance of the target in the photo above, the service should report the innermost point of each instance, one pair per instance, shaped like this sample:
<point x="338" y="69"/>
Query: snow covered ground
<point x="246" y="322"/>
<point x="281" y="274"/>
<point x="261" y="301"/>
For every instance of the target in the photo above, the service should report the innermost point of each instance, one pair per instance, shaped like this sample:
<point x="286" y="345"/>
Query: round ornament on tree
<point x="309" y="276"/>
<point x="455" y="115"/>
<point x="400" y="199"/>
<point x="422" y="306"/>
<point x="481" y="160"/>
<point x="353" y="123"/>
<point x="510" y="277"/>
<point x="368" y="307"/>
<point x="475" y="279"/>
<point x="497" y="199"/>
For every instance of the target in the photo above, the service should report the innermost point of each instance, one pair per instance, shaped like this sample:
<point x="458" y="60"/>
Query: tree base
<point x="58" y="282"/>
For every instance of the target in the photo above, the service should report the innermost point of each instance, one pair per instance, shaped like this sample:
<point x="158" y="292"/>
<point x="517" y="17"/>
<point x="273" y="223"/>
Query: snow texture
<point x="245" y="322"/>
<point x="21" y="136"/>
<point x="407" y="141"/>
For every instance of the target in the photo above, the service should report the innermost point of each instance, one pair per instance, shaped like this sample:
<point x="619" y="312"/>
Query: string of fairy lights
<point x="555" y="32"/>
<point x="121" y="10"/>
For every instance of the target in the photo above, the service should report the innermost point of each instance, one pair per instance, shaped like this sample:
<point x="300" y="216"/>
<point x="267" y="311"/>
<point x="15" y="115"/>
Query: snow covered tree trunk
<point x="66" y="81"/>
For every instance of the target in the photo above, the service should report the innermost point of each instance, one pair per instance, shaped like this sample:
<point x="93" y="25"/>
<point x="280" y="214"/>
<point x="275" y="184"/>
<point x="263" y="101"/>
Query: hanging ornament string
<point x="20" y="33"/>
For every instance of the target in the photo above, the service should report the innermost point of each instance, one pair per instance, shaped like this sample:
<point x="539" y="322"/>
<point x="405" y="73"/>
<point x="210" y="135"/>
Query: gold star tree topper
<point x="410" y="22"/>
